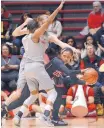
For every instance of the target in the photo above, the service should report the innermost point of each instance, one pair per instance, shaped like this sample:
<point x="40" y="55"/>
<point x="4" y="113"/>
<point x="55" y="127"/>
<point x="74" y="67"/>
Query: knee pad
<point x="52" y="94"/>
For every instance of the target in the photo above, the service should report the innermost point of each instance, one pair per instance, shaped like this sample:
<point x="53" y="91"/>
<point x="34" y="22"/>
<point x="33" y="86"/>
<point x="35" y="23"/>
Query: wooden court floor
<point x="72" y="123"/>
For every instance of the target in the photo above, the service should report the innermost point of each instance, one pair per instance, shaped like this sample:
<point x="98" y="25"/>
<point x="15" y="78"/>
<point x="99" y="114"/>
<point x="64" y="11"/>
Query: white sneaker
<point x="46" y="120"/>
<point x="17" y="120"/>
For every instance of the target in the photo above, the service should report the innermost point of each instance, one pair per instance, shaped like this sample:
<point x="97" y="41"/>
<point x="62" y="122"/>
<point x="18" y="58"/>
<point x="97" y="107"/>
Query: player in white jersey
<point x="36" y="75"/>
<point x="21" y="80"/>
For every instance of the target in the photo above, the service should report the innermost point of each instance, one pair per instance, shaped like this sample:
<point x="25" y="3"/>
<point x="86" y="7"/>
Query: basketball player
<point x="58" y="64"/>
<point x="21" y="32"/>
<point x="36" y="75"/>
<point x="22" y="81"/>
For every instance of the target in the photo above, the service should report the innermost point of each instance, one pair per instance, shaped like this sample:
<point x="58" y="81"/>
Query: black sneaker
<point x="59" y="122"/>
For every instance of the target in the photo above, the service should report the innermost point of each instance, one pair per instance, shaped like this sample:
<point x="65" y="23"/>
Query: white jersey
<point x="35" y="51"/>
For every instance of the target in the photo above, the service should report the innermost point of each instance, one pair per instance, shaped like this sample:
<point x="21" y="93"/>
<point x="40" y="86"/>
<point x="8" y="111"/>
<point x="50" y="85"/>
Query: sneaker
<point x="17" y="120"/>
<point x="59" y="122"/>
<point x="100" y="111"/>
<point x="46" y="120"/>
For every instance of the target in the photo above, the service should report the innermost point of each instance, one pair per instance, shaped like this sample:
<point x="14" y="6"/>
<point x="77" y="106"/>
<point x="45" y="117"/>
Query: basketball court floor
<point x="72" y="123"/>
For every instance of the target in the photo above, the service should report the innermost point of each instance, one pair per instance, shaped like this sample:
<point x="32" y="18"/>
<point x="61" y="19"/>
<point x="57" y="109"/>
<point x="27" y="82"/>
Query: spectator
<point x="94" y="61"/>
<point x="6" y="19"/>
<point x="9" y="68"/>
<point x="89" y="39"/>
<point x="99" y="36"/>
<point x="91" y="60"/>
<point x="81" y="47"/>
<point x="18" y="40"/>
<point x="56" y="28"/>
<point x="96" y="18"/>
<point x="74" y="61"/>
<point x="89" y="96"/>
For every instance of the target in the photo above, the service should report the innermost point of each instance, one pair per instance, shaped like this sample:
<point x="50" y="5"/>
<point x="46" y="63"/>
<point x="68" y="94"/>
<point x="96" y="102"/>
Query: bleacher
<point x="73" y="16"/>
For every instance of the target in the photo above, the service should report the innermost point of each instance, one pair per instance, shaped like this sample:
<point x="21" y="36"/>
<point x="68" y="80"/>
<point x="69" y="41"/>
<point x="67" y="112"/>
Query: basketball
<point x="90" y="76"/>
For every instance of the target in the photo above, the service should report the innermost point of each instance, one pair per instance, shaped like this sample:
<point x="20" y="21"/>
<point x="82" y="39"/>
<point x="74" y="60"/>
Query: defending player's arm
<point x="40" y="31"/>
<point x="53" y="38"/>
<point x="61" y="67"/>
<point x="21" y="30"/>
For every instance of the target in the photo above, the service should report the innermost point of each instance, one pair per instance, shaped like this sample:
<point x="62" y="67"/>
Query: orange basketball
<point x="90" y="76"/>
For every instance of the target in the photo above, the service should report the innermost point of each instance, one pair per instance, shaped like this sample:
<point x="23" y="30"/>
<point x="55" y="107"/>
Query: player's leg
<point x="17" y="103"/>
<point x="33" y="87"/>
<point x="16" y="94"/>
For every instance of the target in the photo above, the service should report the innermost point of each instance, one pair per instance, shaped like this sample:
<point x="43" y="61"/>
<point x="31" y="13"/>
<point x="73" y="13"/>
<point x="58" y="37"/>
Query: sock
<point x="47" y="113"/>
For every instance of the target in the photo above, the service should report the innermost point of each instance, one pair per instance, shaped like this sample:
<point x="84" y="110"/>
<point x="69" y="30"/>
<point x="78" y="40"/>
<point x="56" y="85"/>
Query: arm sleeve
<point x="61" y="67"/>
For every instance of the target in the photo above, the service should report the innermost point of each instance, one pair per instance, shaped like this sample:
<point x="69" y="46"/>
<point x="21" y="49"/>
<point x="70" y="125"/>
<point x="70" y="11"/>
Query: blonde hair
<point x="40" y="17"/>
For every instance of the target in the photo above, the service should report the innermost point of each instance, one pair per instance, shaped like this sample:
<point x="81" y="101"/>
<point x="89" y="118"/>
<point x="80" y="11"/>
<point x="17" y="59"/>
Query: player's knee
<point x="52" y="94"/>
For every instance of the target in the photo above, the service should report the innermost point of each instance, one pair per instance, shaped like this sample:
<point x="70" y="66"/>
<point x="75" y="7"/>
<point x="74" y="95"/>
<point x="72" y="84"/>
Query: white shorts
<point x="37" y="77"/>
<point x="22" y="79"/>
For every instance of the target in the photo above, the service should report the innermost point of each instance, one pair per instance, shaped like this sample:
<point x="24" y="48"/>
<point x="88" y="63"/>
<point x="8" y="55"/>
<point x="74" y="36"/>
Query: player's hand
<point x="84" y="70"/>
<point x="61" y="5"/>
<point x="79" y="76"/>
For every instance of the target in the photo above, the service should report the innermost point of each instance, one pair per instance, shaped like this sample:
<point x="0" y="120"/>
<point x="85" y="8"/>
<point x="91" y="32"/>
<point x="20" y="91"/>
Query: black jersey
<point x="69" y="76"/>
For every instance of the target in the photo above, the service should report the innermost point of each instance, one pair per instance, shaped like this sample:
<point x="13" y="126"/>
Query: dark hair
<point x="66" y="49"/>
<point x="9" y="48"/>
<point x="70" y="37"/>
<point x="94" y="42"/>
<point x="22" y="17"/>
<point x="32" y="26"/>
<point x="51" y="11"/>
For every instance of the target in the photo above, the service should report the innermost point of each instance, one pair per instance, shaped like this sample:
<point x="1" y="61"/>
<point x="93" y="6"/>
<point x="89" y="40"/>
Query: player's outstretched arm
<point x="21" y="30"/>
<point x="40" y="31"/>
<point x="53" y="38"/>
